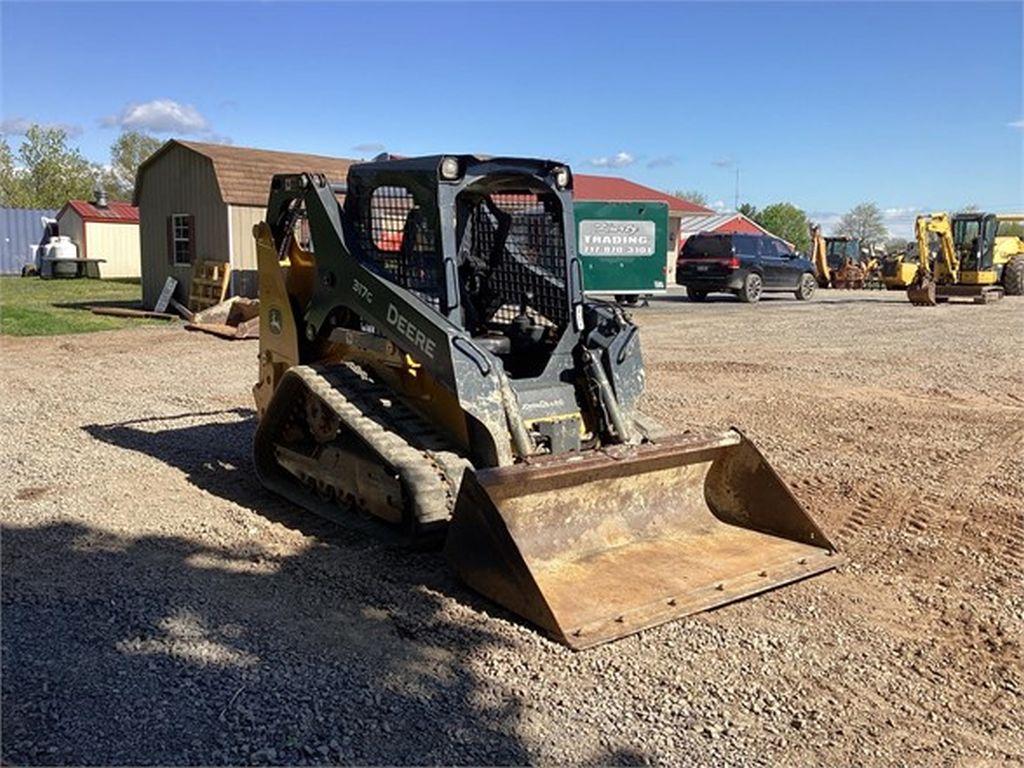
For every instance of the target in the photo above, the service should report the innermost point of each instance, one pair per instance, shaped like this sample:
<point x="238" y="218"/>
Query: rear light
<point x="733" y="263"/>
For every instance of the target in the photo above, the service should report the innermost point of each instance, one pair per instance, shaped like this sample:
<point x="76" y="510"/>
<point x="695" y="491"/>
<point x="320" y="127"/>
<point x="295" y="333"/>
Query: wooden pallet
<point x="209" y="284"/>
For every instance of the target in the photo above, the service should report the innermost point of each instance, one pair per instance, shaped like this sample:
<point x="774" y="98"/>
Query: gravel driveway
<point x="158" y="606"/>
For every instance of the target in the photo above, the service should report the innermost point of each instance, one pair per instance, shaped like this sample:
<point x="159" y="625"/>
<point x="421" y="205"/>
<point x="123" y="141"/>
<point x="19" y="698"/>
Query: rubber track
<point x="431" y="471"/>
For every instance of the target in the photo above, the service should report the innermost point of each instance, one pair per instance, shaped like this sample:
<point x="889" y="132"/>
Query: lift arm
<point x="819" y="256"/>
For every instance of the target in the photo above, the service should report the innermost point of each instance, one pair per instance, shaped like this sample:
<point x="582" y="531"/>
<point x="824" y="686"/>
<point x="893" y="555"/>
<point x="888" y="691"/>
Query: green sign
<point x="622" y="246"/>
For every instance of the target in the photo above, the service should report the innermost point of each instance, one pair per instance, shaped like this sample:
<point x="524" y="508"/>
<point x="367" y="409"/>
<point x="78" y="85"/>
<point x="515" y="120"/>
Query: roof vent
<point x="101" y="198"/>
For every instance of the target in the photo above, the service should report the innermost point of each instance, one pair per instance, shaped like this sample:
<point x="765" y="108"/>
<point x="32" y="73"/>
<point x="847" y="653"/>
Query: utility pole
<point x="736" y="198"/>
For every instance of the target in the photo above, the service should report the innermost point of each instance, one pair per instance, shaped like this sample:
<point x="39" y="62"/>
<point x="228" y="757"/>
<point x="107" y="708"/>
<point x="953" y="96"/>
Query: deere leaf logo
<point x="275" y="321"/>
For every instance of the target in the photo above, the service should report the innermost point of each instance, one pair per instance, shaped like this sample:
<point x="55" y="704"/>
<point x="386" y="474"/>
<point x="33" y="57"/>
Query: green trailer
<point x="622" y="248"/>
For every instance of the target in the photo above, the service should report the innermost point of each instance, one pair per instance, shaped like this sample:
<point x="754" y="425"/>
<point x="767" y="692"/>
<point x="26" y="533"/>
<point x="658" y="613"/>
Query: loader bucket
<point x="600" y="545"/>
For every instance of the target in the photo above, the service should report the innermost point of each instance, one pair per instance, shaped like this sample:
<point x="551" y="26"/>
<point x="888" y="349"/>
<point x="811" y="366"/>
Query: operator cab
<point x="512" y="271"/>
<point x="974" y="238"/>
<point x="840" y="251"/>
<point x="482" y="244"/>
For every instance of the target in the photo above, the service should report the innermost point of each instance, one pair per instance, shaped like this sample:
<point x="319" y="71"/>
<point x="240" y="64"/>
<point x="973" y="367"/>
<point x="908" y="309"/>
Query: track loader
<point x="430" y="360"/>
<point x="974" y="261"/>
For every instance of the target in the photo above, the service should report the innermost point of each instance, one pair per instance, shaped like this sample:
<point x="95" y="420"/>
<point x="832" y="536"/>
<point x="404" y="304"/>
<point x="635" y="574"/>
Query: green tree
<point x="126" y="155"/>
<point x="863" y="221"/>
<point x="51" y="172"/>
<point x="787" y="221"/>
<point x="10" y="185"/>
<point x="749" y="210"/>
<point x="698" y="198"/>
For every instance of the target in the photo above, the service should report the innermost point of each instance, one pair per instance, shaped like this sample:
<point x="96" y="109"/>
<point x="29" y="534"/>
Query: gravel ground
<point x="159" y="607"/>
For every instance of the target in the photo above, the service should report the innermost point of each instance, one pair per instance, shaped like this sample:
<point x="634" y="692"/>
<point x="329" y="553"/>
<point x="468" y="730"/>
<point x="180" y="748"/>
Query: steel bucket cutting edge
<point x="596" y="546"/>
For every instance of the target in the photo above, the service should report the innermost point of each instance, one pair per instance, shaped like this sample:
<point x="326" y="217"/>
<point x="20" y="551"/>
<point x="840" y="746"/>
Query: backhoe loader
<point x="430" y="360"/>
<point x="974" y="260"/>
<point x="839" y="262"/>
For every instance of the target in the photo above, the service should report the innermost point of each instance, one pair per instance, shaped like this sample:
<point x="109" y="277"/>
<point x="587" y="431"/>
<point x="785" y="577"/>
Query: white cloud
<point x="720" y="206"/>
<point x="368" y="147"/>
<point x="899" y="220"/>
<point x="662" y="161"/>
<point x="900" y="212"/>
<point x="163" y="116"/>
<point x="1017" y="124"/>
<point x="722" y="162"/>
<point x="18" y="126"/>
<point x="828" y="220"/>
<point x="618" y="160"/>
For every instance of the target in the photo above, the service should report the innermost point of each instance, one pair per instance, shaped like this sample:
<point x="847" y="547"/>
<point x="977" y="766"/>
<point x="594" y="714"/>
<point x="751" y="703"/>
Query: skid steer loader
<point x="430" y="360"/>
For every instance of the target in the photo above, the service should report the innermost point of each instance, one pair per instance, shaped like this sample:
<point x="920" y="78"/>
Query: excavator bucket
<point x="922" y="293"/>
<point x="601" y="545"/>
<point x="928" y="294"/>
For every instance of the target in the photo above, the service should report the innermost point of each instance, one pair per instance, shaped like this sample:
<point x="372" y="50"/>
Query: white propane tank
<point x="61" y="249"/>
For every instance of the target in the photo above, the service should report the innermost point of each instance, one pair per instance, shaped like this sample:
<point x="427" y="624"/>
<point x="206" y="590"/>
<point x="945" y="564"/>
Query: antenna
<point x="736" y="198"/>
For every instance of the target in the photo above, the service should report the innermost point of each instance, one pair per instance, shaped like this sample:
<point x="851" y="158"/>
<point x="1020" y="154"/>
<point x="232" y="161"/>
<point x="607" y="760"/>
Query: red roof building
<point x="104" y="230"/>
<point x="729" y="222"/>
<point x="115" y="212"/>
<point x="614" y="188"/>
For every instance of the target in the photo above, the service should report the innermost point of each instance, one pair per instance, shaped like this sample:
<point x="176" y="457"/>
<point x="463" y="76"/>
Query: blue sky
<point x="824" y="105"/>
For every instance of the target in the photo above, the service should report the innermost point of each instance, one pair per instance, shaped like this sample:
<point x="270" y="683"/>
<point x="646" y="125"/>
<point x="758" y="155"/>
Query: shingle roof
<point x="244" y="173"/>
<point x="115" y="212"/>
<point x="586" y="187"/>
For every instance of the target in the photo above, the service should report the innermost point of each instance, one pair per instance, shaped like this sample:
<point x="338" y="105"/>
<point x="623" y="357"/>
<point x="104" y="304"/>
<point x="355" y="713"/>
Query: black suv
<point x="746" y="265"/>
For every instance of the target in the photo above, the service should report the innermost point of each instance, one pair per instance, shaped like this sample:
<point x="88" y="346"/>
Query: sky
<point x="913" y="106"/>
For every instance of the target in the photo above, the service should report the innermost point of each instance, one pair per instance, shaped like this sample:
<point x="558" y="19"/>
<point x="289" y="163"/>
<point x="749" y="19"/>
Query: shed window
<point x="181" y="238"/>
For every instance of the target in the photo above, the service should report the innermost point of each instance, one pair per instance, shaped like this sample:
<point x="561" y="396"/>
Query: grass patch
<point x="30" y="306"/>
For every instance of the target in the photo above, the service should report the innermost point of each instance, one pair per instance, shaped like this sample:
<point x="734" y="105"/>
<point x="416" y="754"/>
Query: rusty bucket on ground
<point x="601" y="545"/>
<point x="922" y="293"/>
<point x="925" y="292"/>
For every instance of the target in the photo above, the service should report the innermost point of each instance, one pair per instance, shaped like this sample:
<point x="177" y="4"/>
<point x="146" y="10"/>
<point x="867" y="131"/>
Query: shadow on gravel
<point x="216" y="456"/>
<point x="173" y="650"/>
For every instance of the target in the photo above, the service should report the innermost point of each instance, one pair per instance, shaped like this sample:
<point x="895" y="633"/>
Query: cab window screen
<point x="398" y="242"/>
<point x="512" y="254"/>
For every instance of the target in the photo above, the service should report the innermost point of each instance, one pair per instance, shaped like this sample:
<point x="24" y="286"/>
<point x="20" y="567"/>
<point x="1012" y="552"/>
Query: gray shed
<point x="199" y="202"/>
<point x="20" y="229"/>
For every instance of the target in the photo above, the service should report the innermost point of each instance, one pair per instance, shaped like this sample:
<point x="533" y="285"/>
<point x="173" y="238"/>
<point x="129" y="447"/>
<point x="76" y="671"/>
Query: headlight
<point x="562" y="177"/>
<point x="450" y="168"/>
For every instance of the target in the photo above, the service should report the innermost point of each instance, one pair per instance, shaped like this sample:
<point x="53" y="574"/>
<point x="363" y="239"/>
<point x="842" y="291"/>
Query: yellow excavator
<point x="431" y="363"/>
<point x="974" y="262"/>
